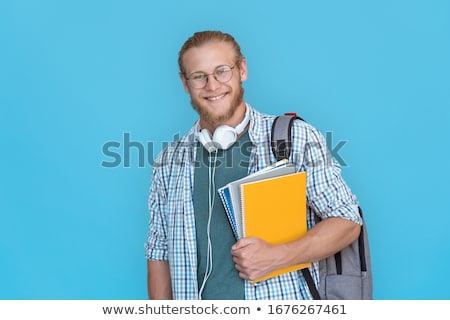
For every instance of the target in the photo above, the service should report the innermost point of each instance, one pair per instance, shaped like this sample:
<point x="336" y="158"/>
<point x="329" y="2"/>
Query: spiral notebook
<point x="274" y="210"/>
<point x="231" y="193"/>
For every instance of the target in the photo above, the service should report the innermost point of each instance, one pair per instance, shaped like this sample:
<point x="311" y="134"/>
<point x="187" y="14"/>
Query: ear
<point x="184" y="81"/>
<point x="243" y="70"/>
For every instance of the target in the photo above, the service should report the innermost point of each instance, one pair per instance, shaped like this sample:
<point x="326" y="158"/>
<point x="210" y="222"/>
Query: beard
<point x="216" y="120"/>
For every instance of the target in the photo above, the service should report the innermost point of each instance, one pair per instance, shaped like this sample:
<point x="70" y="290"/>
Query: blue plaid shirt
<point x="171" y="233"/>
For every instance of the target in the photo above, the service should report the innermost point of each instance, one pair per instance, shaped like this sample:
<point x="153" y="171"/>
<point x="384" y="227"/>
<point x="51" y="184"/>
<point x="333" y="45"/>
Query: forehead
<point x="208" y="56"/>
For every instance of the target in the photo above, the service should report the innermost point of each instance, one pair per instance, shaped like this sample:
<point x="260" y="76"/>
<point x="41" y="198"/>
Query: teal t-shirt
<point x="224" y="282"/>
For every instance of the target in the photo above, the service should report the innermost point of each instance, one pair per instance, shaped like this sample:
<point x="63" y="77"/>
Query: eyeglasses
<point x="198" y="80"/>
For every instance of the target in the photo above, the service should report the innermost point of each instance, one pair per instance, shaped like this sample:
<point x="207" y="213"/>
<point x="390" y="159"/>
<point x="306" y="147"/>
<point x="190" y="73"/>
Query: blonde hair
<point x="200" y="38"/>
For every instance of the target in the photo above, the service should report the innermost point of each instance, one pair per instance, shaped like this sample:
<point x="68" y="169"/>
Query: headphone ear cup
<point x="204" y="136"/>
<point x="224" y="137"/>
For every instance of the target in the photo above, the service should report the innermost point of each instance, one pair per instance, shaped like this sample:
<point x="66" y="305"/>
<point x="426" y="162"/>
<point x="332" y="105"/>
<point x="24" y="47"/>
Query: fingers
<point x="241" y="263"/>
<point x="244" y="273"/>
<point x="246" y="255"/>
<point x="244" y="242"/>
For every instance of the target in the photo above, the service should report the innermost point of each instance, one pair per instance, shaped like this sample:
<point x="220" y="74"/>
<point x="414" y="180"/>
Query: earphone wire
<point x="211" y="199"/>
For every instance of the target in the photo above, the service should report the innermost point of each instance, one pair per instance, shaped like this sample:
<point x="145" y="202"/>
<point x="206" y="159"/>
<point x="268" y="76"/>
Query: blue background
<point x="76" y="75"/>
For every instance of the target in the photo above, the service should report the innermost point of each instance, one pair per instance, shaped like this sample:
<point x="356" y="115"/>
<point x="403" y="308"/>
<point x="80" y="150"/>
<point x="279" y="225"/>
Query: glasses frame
<point x="188" y="78"/>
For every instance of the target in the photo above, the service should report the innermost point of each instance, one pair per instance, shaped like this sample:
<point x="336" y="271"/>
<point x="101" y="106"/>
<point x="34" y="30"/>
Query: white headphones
<point x="224" y="136"/>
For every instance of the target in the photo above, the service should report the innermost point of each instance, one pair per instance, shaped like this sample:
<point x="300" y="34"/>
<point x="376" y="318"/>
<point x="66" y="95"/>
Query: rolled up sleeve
<point x="156" y="243"/>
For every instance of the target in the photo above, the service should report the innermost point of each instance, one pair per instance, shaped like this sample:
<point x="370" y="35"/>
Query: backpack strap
<point x="311" y="285"/>
<point x="362" y="246"/>
<point x="281" y="147"/>
<point x="281" y="135"/>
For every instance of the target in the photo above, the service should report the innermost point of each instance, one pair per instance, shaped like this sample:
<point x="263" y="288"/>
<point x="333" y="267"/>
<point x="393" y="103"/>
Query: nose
<point x="211" y="83"/>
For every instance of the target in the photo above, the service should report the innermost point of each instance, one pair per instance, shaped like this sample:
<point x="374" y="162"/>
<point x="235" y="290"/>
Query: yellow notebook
<point x="275" y="210"/>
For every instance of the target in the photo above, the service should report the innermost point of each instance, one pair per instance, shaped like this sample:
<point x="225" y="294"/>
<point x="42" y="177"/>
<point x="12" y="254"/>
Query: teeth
<point x="215" y="98"/>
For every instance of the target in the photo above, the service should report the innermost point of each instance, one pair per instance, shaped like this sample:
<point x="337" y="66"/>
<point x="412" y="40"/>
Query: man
<point x="191" y="251"/>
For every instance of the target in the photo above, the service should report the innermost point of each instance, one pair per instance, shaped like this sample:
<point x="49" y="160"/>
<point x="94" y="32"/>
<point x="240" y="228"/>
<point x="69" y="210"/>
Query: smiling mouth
<point x="215" y="98"/>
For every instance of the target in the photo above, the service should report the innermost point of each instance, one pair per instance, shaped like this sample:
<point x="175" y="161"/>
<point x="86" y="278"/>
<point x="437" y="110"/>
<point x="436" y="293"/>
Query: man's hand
<point x="254" y="258"/>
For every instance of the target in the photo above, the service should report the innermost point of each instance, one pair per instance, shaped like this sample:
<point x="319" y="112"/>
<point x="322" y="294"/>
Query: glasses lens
<point x="223" y="74"/>
<point x="198" y="80"/>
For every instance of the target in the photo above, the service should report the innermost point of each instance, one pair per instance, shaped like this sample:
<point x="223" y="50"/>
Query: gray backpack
<point x="346" y="275"/>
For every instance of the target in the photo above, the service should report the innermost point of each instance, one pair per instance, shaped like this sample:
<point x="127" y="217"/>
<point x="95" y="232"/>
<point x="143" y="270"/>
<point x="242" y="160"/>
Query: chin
<point x="226" y="108"/>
